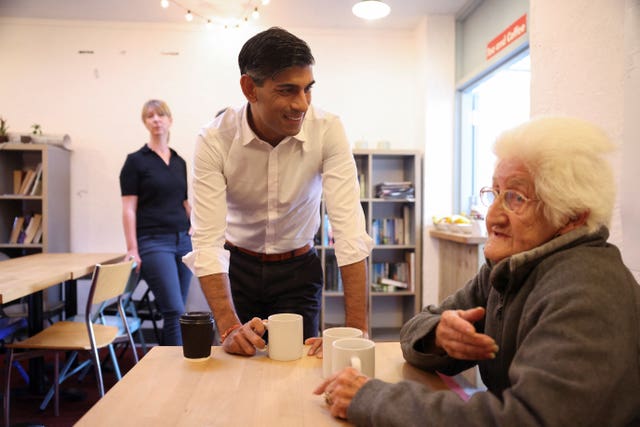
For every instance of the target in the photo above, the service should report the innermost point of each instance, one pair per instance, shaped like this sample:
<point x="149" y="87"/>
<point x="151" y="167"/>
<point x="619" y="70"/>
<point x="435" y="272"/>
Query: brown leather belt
<point x="271" y="257"/>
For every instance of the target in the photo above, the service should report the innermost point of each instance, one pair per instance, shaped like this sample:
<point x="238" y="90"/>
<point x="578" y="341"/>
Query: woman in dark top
<point x="155" y="215"/>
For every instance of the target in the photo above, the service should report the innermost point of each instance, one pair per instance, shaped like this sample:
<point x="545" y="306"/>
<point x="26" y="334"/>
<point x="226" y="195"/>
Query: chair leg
<point x="143" y="343"/>
<point x="56" y="381"/>
<point x="96" y="368"/>
<point x="21" y="370"/>
<point x="7" y="387"/>
<point x="62" y="376"/>
<point x="133" y="347"/>
<point x="114" y="361"/>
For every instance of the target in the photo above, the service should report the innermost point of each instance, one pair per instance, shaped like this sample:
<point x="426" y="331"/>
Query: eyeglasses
<point x="512" y="200"/>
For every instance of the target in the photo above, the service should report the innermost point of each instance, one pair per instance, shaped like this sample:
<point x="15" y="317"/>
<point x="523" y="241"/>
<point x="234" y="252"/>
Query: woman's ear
<point x="575" y="222"/>
<point x="248" y="87"/>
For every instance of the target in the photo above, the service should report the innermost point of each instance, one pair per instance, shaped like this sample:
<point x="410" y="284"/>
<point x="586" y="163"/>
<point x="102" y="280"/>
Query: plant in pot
<point x="4" y="136"/>
<point x="36" y="130"/>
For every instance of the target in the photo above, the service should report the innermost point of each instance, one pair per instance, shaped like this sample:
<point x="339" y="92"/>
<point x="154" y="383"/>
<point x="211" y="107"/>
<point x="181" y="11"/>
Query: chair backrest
<point x="108" y="281"/>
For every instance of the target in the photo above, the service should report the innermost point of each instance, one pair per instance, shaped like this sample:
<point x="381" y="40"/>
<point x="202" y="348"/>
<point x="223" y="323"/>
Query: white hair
<point x="567" y="159"/>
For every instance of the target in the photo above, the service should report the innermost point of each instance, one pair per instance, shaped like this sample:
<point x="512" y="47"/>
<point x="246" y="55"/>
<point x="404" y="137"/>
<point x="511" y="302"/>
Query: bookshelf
<point x="34" y="191"/>
<point x="393" y="216"/>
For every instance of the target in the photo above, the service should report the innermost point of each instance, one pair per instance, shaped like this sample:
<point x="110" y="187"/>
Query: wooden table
<point x="164" y="389"/>
<point x="31" y="274"/>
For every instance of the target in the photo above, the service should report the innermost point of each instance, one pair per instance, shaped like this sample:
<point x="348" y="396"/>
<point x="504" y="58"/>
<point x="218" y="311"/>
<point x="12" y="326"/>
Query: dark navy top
<point x="161" y="191"/>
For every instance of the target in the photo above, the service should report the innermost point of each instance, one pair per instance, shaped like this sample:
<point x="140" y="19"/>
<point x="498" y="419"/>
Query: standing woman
<point x="155" y="215"/>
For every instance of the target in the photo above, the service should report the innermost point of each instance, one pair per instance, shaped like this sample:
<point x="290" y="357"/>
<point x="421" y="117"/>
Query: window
<point x="489" y="106"/>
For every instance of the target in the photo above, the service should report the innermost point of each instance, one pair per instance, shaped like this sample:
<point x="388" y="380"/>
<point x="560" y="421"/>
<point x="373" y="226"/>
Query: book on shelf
<point x="17" y="181"/>
<point x="36" y="188"/>
<point x="406" y="216"/>
<point x="362" y="181"/>
<point x="392" y="276"/>
<point x="390" y="231"/>
<point x="18" y="223"/>
<point x="328" y="232"/>
<point x="38" y="236"/>
<point x="332" y="276"/>
<point x="395" y="283"/>
<point x="27" y="181"/>
<point x="410" y="259"/>
<point x="35" y="223"/>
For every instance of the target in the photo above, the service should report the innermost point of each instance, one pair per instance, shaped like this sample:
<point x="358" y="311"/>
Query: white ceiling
<point x="405" y="14"/>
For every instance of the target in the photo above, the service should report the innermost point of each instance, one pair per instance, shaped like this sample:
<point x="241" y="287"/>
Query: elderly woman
<point x="553" y="317"/>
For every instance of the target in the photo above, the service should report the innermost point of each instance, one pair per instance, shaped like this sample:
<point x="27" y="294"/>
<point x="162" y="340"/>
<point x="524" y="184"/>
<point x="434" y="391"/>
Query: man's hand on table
<point x="246" y="339"/>
<point x="315" y="344"/>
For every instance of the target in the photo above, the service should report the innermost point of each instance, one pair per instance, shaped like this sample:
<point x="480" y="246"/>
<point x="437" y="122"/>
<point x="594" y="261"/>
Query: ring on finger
<point x="327" y="398"/>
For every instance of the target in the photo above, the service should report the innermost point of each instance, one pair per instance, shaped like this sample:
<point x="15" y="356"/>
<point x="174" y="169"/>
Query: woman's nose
<point x="496" y="212"/>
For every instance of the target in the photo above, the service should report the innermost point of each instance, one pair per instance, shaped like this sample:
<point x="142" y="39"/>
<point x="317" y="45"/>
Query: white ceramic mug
<point x="285" y="336"/>
<point x="359" y="353"/>
<point x="328" y="337"/>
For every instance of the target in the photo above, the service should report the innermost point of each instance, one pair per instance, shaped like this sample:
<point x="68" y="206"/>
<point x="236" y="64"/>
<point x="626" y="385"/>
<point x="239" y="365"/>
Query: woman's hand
<point x="458" y="337"/>
<point x="339" y="390"/>
<point x="133" y="255"/>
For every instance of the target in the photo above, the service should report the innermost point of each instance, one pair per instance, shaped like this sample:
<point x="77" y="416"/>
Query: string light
<point x="190" y="15"/>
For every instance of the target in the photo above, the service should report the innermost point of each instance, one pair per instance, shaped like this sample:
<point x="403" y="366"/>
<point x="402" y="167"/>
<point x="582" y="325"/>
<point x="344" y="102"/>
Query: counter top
<point x="466" y="239"/>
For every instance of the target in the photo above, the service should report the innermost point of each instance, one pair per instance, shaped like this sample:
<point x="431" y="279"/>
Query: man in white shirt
<point x="260" y="171"/>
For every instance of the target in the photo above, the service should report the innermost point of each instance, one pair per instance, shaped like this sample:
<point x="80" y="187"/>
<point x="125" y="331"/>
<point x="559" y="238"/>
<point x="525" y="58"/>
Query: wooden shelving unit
<point x="51" y="201"/>
<point x="390" y="306"/>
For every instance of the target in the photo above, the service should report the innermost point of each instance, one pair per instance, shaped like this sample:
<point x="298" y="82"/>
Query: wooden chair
<point x="109" y="281"/>
<point x="110" y="315"/>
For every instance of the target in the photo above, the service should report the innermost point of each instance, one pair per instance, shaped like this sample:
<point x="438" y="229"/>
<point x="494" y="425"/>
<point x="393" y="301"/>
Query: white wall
<point x="368" y="78"/>
<point x="436" y="40"/>
<point x="581" y="66"/>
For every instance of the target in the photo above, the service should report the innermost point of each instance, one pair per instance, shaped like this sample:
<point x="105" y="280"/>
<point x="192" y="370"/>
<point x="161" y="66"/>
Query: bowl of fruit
<point x="453" y="223"/>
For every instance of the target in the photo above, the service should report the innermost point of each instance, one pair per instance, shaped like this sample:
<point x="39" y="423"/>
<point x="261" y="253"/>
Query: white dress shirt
<point x="267" y="199"/>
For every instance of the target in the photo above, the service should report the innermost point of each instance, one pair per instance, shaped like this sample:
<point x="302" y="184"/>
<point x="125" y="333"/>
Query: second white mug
<point x="359" y="353"/>
<point x="329" y="335"/>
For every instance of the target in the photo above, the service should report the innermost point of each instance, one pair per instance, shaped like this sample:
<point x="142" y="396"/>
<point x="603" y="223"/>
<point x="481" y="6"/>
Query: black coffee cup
<point x="197" y="334"/>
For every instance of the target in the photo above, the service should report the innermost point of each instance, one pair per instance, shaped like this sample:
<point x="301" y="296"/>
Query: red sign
<point x="508" y="36"/>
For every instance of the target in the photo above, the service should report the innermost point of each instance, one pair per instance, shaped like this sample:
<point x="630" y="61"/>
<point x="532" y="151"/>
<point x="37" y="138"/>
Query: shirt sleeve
<point x="129" y="178"/>
<point x="209" y="211"/>
<point x="342" y="196"/>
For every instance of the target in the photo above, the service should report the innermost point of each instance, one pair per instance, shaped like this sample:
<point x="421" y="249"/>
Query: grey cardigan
<point x="566" y="316"/>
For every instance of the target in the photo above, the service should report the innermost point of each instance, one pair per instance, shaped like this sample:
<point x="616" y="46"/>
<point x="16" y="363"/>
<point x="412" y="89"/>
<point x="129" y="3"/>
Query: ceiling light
<point x="371" y="9"/>
<point x="255" y="14"/>
<point x="164" y="3"/>
<point x="265" y="2"/>
<point x="188" y="16"/>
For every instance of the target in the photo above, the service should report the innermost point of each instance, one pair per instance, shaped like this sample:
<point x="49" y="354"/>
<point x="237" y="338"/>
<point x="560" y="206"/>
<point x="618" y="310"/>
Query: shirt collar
<point x="247" y="135"/>
<point x="146" y="149"/>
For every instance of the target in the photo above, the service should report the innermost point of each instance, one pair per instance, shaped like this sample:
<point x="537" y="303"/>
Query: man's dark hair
<point x="272" y="51"/>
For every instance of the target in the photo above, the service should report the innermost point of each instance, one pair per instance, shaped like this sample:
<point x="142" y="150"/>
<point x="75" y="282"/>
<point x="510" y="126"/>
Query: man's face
<point x="510" y="233"/>
<point x="279" y="105"/>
